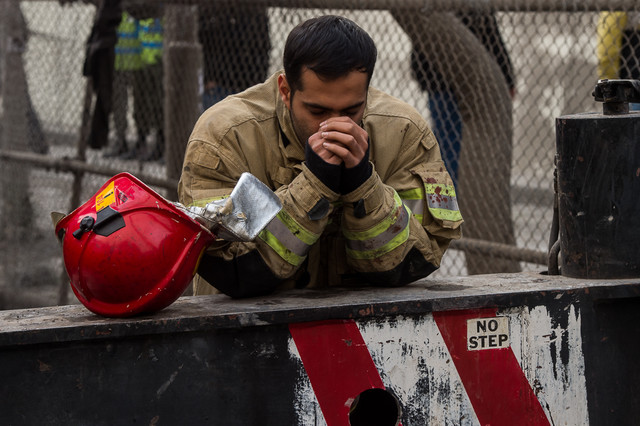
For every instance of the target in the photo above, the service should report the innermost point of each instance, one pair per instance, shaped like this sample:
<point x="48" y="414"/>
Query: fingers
<point x="346" y="126"/>
<point x="342" y="137"/>
<point x="316" y="143"/>
<point x="342" y="146"/>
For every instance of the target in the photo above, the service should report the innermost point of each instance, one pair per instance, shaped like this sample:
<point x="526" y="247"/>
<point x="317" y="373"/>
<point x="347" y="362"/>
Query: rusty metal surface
<point x="202" y="313"/>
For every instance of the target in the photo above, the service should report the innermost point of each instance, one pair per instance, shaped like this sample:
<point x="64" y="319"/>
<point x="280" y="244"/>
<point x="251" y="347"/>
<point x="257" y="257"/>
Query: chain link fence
<point x="491" y="77"/>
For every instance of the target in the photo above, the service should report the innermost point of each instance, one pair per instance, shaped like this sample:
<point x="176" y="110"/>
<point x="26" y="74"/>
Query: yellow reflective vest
<point x="151" y="39"/>
<point x="409" y="200"/>
<point x="128" y="47"/>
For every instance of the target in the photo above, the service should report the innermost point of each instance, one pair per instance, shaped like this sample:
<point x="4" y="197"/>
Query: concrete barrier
<point x="492" y="349"/>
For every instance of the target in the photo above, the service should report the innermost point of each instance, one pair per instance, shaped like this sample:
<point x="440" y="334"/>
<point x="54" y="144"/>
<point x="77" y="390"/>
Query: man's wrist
<point x="328" y="174"/>
<point x="353" y="177"/>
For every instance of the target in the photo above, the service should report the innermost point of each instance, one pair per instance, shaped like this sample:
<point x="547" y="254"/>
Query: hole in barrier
<point x="375" y="407"/>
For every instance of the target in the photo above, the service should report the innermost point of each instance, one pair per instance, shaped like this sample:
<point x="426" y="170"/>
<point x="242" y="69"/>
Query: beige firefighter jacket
<point x="409" y="201"/>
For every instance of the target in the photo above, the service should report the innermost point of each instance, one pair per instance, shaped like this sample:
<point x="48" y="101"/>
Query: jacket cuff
<point x="310" y="195"/>
<point x="328" y="174"/>
<point x="367" y="197"/>
<point x="354" y="177"/>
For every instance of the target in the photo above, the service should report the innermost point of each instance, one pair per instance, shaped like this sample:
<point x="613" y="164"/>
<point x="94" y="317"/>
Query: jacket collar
<point x="292" y="145"/>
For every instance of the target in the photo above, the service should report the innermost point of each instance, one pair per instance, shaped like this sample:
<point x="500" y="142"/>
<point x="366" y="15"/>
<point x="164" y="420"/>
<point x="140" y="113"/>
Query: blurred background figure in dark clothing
<point x="447" y="121"/>
<point x="235" y="49"/>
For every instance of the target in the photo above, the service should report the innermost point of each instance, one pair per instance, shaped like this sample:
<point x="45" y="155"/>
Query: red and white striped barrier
<point x="472" y="367"/>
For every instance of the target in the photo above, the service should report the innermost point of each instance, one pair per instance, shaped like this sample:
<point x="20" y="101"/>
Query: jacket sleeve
<point x="397" y="230"/>
<point x="210" y="172"/>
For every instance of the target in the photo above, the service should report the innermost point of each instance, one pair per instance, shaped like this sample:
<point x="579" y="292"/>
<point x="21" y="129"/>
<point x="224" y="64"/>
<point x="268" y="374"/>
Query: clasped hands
<point x="340" y="140"/>
<point x="344" y="148"/>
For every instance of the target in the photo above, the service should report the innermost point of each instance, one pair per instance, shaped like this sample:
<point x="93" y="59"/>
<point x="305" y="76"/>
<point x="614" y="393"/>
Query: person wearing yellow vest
<point x="128" y="63"/>
<point x="150" y="116"/>
<point x="366" y="196"/>
<point x="618" y="47"/>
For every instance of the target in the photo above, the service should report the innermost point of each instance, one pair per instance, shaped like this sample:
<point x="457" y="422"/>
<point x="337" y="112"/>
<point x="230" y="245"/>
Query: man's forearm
<point x="243" y="276"/>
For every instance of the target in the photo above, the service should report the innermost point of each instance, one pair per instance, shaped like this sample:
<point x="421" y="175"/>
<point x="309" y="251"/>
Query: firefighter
<point x="366" y="196"/>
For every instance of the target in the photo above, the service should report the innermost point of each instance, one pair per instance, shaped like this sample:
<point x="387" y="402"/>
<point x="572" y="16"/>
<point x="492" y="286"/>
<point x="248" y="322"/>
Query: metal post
<point x="182" y="62"/>
<point x="16" y="209"/>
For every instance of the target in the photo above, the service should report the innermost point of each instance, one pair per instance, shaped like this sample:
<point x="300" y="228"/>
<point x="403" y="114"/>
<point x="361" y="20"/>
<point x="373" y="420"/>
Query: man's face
<point x="317" y="100"/>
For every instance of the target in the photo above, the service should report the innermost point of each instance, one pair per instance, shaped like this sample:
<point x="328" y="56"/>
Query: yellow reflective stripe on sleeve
<point x="382" y="238"/>
<point x="203" y="202"/>
<point x="414" y="199"/>
<point x="279" y="248"/>
<point x="378" y="228"/>
<point x="442" y="201"/>
<point x="412" y="194"/>
<point x="288" y="238"/>
<point x="300" y="233"/>
<point x="444" y="214"/>
<point x="395" y="242"/>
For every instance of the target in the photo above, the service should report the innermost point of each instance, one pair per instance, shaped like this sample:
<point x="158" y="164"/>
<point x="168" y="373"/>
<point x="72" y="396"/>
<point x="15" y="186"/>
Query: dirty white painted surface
<point x="306" y="405"/>
<point x="415" y="364"/>
<point x="549" y="350"/>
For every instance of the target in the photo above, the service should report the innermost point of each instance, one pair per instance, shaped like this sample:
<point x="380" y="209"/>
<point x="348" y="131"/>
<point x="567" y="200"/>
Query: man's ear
<point x="285" y="90"/>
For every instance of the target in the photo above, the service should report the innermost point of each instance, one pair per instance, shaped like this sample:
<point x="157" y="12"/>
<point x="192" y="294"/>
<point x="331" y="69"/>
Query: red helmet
<point x="128" y="250"/>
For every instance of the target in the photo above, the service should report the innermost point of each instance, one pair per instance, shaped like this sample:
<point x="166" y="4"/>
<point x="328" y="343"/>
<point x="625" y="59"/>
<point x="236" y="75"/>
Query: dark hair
<point x="331" y="46"/>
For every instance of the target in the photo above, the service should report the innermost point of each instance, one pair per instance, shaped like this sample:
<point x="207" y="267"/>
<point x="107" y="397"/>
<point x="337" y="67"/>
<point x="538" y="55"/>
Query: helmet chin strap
<point x="56" y="217"/>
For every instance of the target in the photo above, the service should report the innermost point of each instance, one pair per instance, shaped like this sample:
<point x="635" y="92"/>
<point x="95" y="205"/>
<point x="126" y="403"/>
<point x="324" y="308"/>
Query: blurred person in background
<point x="618" y="47"/>
<point x="99" y="67"/>
<point x="149" y="110"/>
<point x="235" y="49"/>
<point x="443" y="105"/>
<point x="126" y="79"/>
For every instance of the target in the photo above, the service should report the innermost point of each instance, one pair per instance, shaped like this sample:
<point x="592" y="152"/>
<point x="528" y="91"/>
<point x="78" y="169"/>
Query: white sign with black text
<point x="488" y="333"/>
